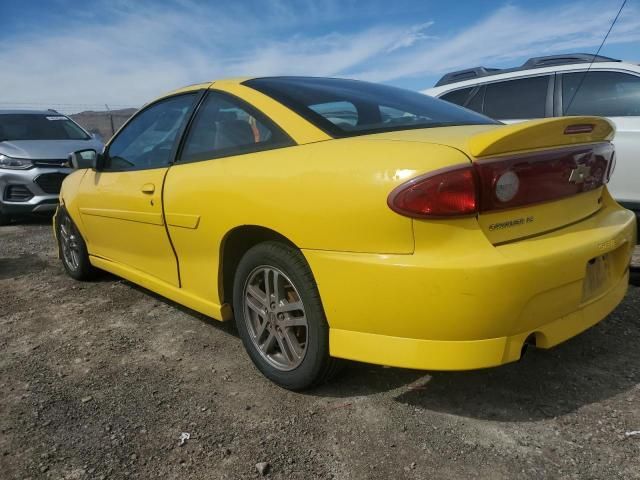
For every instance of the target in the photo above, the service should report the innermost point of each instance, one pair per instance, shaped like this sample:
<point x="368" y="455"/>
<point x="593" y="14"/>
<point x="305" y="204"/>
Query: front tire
<point x="72" y="248"/>
<point x="280" y="318"/>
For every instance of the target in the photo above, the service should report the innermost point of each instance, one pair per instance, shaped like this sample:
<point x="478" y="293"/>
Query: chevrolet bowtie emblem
<point x="579" y="174"/>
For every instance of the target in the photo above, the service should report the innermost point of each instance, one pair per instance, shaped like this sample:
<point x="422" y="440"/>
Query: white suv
<point x="546" y="87"/>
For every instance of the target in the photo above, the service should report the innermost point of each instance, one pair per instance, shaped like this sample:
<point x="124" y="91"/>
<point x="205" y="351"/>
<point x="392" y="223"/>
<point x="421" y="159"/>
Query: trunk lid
<point x="556" y="167"/>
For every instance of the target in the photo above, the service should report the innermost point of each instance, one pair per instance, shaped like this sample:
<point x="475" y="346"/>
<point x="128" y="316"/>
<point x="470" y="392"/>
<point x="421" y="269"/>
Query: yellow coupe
<point x="338" y="219"/>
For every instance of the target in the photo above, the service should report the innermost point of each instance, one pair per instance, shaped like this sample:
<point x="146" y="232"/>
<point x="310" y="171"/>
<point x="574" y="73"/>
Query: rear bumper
<point x="635" y="208"/>
<point x="40" y="196"/>
<point x="426" y="354"/>
<point x="442" y="310"/>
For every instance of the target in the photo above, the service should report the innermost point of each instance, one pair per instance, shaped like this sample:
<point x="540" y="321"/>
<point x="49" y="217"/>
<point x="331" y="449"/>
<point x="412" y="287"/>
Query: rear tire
<point x="280" y="318"/>
<point x="72" y="248"/>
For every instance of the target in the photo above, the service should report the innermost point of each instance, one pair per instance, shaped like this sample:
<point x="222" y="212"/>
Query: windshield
<point x="37" y="126"/>
<point x="345" y="108"/>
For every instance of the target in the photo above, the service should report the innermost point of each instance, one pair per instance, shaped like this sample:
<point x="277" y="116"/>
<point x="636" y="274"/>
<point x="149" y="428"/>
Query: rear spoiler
<point x="540" y="134"/>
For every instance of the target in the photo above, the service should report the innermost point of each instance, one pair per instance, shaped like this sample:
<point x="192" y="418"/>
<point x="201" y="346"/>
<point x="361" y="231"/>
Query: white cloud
<point x="511" y="33"/>
<point x="131" y="52"/>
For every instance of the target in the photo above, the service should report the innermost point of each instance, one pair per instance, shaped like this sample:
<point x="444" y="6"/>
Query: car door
<point x="615" y="95"/>
<point x="120" y="202"/>
<point x="227" y="140"/>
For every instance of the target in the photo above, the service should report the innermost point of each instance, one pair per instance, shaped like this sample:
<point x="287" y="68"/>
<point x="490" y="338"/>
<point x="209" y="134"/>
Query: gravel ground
<point x="99" y="380"/>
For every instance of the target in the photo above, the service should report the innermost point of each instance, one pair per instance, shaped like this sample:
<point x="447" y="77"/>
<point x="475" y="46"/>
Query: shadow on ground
<point x="21" y="266"/>
<point x="590" y="368"/>
<point x="227" y="327"/>
<point x="37" y="219"/>
<point x="546" y="383"/>
<point x="355" y="379"/>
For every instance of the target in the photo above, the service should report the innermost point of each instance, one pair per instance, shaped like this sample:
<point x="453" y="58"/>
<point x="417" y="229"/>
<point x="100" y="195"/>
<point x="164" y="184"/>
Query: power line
<point x="594" y="56"/>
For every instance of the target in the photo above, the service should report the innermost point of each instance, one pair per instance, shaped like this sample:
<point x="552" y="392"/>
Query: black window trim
<point x="286" y="140"/>
<point x="559" y="108"/>
<point x="548" y="105"/>
<point x="198" y="96"/>
<point x="549" y="102"/>
<point x="557" y="96"/>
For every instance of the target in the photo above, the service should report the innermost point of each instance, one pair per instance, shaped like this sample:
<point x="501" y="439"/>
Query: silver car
<point x="34" y="147"/>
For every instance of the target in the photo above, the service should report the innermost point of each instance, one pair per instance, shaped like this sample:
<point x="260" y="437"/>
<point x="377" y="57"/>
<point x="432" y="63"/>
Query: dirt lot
<point x="99" y="380"/>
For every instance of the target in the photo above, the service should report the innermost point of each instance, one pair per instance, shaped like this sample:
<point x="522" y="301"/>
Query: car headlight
<point x="14" y="163"/>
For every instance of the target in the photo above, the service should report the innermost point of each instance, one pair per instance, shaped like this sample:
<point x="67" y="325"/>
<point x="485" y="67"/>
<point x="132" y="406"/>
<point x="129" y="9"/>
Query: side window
<point x="459" y="97"/>
<point x="516" y="99"/>
<point x="148" y="139"/>
<point x="470" y="98"/>
<point x="224" y="126"/>
<point x="476" y="102"/>
<point x="606" y="94"/>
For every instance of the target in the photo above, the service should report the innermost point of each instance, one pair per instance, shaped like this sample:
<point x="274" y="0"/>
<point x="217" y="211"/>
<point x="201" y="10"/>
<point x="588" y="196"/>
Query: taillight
<point x="505" y="182"/>
<point x="544" y="176"/>
<point x="449" y="192"/>
<point x="612" y="167"/>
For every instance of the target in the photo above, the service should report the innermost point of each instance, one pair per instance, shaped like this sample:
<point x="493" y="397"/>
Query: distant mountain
<point x="103" y="123"/>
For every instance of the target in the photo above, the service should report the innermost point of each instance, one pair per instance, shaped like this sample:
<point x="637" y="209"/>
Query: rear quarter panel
<point x="328" y="195"/>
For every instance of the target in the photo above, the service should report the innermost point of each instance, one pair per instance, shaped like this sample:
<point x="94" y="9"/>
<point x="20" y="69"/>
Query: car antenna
<point x="594" y="57"/>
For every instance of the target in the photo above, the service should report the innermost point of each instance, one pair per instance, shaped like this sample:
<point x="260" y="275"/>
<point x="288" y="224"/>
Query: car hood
<point x="46" y="149"/>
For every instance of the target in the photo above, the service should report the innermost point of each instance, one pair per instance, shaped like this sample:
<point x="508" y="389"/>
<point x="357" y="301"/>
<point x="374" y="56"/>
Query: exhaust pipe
<point x="530" y="341"/>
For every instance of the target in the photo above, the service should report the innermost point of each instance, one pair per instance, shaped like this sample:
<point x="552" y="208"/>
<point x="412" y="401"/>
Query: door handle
<point x="148" y="188"/>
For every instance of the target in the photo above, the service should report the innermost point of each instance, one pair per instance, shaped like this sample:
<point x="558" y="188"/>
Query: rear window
<point x="30" y="126"/>
<point x="349" y="107"/>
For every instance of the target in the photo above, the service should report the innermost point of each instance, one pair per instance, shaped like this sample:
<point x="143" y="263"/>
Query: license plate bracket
<point x="597" y="276"/>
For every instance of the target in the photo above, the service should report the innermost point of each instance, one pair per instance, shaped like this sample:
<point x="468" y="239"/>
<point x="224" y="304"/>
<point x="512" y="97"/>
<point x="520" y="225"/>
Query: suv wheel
<point x="280" y="317"/>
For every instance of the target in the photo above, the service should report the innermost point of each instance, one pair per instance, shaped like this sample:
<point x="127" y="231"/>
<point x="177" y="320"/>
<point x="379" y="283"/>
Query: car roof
<point x="508" y="74"/>
<point x="28" y="112"/>
<point x="532" y="63"/>
<point x="239" y="80"/>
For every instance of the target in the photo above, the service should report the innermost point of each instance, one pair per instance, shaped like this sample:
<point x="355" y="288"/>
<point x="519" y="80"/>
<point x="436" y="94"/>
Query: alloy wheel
<point x="275" y="317"/>
<point x="69" y="243"/>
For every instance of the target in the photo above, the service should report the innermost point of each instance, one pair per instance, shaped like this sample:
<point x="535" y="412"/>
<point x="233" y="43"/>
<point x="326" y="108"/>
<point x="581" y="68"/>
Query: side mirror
<point x="83" y="159"/>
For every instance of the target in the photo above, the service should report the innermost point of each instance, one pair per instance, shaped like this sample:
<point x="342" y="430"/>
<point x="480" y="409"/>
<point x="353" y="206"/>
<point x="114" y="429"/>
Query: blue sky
<point x="76" y="54"/>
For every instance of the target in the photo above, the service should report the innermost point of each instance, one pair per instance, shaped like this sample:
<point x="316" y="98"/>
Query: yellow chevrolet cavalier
<point x="342" y="219"/>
